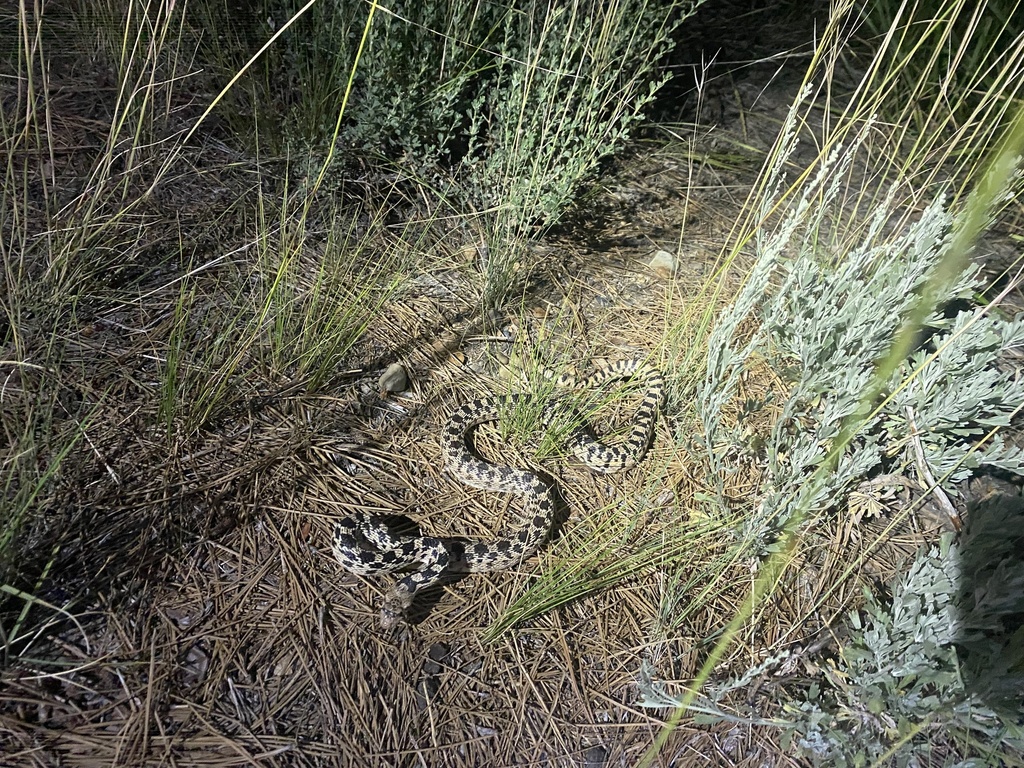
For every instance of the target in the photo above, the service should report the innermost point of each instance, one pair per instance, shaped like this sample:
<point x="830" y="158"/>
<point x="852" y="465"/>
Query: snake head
<point x="396" y="603"/>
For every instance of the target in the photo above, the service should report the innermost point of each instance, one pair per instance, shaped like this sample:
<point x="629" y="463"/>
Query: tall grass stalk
<point x="308" y="332"/>
<point x="50" y="258"/>
<point x="316" y="322"/>
<point x="23" y="481"/>
<point x="65" y="257"/>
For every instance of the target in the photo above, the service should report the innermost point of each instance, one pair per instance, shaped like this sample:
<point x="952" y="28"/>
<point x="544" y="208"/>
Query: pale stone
<point x="394" y="379"/>
<point x="663" y="263"/>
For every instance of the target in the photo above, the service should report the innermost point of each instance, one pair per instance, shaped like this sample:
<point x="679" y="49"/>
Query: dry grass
<point x="177" y="602"/>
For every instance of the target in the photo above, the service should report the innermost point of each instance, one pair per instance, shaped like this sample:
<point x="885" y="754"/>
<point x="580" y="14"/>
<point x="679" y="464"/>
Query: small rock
<point x="394" y="379"/>
<point x="438" y="655"/>
<point x="426" y="691"/>
<point x="663" y="263"/>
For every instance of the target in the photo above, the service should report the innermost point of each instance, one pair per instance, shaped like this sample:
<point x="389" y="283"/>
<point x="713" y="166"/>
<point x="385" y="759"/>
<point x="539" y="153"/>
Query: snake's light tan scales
<point x="363" y="545"/>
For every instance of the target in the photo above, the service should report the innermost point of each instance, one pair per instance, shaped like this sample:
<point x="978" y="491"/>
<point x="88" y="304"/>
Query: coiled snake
<point x="364" y="545"/>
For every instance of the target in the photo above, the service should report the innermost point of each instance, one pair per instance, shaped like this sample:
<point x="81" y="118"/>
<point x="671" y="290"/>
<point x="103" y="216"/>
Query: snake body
<point x="365" y="546"/>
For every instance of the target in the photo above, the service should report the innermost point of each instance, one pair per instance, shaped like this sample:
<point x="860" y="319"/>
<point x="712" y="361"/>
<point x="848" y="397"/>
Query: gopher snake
<point x="364" y="545"/>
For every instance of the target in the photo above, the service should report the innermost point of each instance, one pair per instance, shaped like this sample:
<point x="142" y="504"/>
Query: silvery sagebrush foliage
<point x="825" y="318"/>
<point x="833" y="324"/>
<point x="959" y="394"/>
<point x="727" y="357"/>
<point x="826" y="324"/>
<point x="897" y="686"/>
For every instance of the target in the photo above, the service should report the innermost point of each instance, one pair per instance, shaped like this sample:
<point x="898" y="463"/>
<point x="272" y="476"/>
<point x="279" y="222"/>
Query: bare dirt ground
<point x="212" y="626"/>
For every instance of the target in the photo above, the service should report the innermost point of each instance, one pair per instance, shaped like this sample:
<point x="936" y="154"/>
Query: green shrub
<point x="501" y="112"/>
